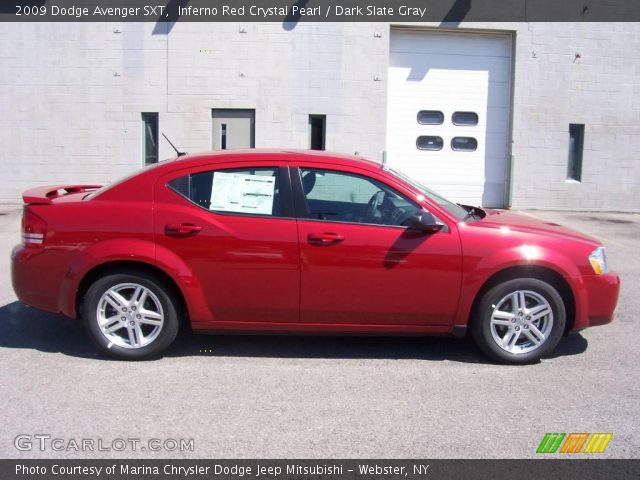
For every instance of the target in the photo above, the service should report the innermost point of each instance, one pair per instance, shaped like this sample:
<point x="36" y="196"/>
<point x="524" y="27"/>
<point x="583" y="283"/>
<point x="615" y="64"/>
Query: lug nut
<point x="124" y="309"/>
<point x="513" y="320"/>
<point x="132" y="323"/>
<point x="526" y="327"/>
<point x="123" y="318"/>
<point x="138" y="316"/>
<point x="528" y="317"/>
<point x="517" y="328"/>
<point x="133" y="308"/>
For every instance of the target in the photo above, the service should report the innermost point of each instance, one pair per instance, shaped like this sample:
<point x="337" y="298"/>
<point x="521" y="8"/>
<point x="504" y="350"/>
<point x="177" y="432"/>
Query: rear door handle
<point x="325" y="238"/>
<point x="182" y="228"/>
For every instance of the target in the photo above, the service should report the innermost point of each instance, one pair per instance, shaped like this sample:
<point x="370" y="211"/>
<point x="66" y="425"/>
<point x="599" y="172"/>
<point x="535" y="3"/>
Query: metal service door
<point x="233" y="129"/>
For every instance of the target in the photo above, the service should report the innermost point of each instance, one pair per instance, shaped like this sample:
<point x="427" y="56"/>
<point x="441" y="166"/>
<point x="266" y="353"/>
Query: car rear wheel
<point x="519" y="321"/>
<point x="130" y="316"/>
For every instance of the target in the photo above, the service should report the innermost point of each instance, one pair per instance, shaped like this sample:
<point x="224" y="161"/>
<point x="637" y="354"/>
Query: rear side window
<point x="253" y="191"/>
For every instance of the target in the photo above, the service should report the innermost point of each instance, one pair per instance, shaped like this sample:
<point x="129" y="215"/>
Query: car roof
<point x="220" y="156"/>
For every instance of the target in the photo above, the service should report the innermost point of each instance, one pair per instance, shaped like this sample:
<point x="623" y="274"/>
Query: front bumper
<point x="598" y="300"/>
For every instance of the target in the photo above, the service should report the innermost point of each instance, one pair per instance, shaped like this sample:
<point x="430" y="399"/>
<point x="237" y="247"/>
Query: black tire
<point x="161" y="336"/>
<point x="483" y="331"/>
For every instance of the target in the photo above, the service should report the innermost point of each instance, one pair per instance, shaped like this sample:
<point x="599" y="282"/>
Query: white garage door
<point x="448" y="112"/>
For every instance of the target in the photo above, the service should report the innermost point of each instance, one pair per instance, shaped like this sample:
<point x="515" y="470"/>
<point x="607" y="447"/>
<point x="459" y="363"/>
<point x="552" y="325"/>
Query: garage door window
<point x="464" y="144"/>
<point x="430" y="117"/>
<point x="425" y="142"/>
<point x="465" y="119"/>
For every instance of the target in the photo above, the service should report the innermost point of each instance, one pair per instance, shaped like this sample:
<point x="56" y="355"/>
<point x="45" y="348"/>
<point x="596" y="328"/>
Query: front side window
<point x="343" y="197"/>
<point x="254" y="191"/>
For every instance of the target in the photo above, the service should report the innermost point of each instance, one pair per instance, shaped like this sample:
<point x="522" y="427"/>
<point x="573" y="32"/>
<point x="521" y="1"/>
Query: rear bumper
<point x="599" y="300"/>
<point x="32" y="280"/>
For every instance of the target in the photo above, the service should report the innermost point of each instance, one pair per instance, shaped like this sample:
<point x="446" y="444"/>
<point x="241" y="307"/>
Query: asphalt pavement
<point x="318" y="397"/>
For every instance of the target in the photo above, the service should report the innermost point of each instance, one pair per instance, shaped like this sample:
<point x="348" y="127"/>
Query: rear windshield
<point x="112" y="184"/>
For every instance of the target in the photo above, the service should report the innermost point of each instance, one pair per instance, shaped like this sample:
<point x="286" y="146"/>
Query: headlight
<point x="598" y="261"/>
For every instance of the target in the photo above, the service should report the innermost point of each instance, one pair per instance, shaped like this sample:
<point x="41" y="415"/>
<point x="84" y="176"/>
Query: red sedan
<point x="277" y="241"/>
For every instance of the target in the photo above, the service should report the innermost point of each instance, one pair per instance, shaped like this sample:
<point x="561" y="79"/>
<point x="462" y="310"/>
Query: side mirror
<point x="425" y="222"/>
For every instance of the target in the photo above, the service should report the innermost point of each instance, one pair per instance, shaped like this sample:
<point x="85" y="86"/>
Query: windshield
<point x="453" y="208"/>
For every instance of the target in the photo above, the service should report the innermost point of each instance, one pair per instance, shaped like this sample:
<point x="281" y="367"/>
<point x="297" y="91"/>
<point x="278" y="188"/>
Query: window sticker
<point x="237" y="192"/>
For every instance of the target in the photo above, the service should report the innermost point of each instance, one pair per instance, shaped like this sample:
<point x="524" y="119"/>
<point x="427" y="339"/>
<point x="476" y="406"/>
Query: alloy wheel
<point x="130" y="315"/>
<point x="521" y="321"/>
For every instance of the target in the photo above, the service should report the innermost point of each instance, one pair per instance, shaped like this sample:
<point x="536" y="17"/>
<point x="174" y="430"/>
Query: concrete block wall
<point x="71" y="96"/>
<point x="577" y="73"/>
<point x="70" y="101"/>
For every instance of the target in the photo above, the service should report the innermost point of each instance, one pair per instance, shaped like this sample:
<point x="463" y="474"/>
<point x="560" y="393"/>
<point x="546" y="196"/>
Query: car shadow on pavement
<point x="29" y="328"/>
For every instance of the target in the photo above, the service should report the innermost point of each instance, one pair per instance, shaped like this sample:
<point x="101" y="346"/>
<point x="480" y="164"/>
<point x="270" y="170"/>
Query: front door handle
<point x="325" y="238"/>
<point x="182" y="228"/>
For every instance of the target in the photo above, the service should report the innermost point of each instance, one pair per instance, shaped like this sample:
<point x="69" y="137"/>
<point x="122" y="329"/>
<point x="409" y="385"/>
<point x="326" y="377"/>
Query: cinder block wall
<point x="71" y="97"/>
<point x="72" y="94"/>
<point x="599" y="88"/>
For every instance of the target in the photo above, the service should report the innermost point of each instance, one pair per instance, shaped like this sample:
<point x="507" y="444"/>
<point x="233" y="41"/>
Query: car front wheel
<point x="519" y="321"/>
<point x="130" y="316"/>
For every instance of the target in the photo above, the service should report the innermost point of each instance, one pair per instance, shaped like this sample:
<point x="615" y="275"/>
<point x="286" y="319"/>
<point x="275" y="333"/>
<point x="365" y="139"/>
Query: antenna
<point x="384" y="161"/>
<point x="180" y="154"/>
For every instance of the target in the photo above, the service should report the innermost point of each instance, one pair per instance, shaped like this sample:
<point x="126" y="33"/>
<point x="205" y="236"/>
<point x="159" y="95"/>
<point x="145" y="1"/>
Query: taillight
<point x="34" y="229"/>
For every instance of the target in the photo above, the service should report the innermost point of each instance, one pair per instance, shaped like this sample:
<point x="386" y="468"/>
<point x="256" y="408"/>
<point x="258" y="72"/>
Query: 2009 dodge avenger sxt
<point x="301" y="242"/>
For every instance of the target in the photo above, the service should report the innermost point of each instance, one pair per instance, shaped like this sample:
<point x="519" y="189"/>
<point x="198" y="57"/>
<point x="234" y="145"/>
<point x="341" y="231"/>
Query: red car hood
<point x="529" y="224"/>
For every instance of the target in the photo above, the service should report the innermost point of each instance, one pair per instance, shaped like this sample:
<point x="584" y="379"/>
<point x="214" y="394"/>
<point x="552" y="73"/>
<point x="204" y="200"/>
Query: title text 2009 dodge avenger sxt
<point x="277" y="241"/>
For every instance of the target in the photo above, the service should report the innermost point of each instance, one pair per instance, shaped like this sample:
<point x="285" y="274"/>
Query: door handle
<point x="182" y="228"/>
<point x="325" y="238"/>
